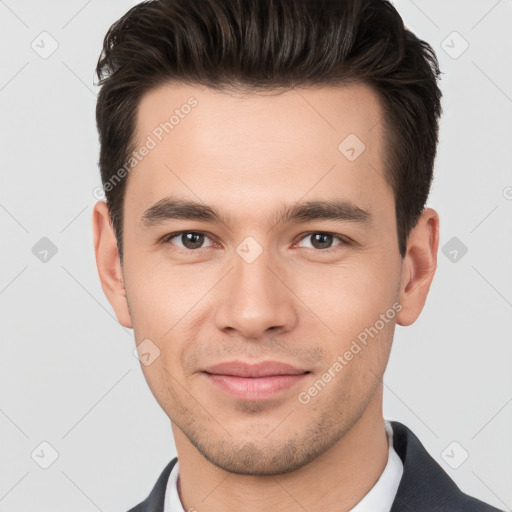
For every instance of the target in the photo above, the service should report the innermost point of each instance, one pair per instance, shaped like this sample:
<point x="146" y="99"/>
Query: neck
<point x="335" y="481"/>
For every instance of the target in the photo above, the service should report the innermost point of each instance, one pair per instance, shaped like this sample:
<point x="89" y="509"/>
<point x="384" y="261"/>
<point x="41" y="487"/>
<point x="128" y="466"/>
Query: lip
<point x="263" y="369"/>
<point x="254" y="382"/>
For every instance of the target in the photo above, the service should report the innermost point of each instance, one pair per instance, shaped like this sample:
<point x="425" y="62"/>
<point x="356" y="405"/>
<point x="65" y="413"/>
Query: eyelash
<point x="344" y="241"/>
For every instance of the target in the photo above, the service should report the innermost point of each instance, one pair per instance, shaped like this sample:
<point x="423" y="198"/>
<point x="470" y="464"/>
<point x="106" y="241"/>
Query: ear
<point x="418" y="266"/>
<point x="108" y="263"/>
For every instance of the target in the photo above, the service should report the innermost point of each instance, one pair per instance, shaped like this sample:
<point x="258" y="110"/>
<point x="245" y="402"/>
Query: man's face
<point x="256" y="288"/>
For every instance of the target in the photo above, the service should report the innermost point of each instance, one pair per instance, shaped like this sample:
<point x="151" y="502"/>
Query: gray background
<point x="68" y="374"/>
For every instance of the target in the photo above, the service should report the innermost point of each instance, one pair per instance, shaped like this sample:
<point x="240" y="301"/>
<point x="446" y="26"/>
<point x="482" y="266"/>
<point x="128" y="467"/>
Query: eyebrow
<point x="172" y="208"/>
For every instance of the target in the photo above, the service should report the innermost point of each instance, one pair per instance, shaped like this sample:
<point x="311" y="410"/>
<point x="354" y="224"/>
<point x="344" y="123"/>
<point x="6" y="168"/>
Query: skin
<point x="247" y="156"/>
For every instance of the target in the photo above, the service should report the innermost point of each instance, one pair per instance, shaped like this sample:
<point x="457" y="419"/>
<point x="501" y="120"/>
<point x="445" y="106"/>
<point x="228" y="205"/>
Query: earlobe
<point x="419" y="265"/>
<point x="109" y="264"/>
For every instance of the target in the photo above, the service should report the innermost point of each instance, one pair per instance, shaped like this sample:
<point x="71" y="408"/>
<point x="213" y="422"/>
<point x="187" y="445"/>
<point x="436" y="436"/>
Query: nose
<point x="256" y="299"/>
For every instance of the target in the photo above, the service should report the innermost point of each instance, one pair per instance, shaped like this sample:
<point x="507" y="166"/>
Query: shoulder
<point x="425" y="486"/>
<point x="155" y="501"/>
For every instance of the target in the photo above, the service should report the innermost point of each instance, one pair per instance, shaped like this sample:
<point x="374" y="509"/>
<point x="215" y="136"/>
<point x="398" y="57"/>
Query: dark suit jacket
<point x="424" y="486"/>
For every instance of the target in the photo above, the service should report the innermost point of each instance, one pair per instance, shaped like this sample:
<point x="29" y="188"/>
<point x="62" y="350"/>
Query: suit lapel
<point x="155" y="501"/>
<point x="425" y="486"/>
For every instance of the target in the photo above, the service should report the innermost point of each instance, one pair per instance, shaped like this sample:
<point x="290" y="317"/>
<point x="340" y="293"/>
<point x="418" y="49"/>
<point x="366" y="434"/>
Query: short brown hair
<point x="267" y="45"/>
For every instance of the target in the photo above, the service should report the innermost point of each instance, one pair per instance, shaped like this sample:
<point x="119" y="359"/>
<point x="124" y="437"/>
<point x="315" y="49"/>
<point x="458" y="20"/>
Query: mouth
<point x="254" y="381"/>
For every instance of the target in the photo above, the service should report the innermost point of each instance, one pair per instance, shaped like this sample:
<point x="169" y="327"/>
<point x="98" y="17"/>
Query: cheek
<point x="351" y="297"/>
<point x="358" y="362"/>
<point x="162" y="381"/>
<point x="161" y="294"/>
<point x="169" y="307"/>
<point x="359" y="305"/>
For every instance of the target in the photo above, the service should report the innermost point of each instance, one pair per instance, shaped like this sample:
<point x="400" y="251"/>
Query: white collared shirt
<point x="379" y="499"/>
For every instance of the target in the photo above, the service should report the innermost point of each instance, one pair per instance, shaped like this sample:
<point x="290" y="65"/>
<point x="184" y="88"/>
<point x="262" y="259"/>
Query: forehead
<point x="252" y="150"/>
<point x="293" y="116"/>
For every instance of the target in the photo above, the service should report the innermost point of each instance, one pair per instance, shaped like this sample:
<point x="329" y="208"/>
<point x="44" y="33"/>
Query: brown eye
<point x="321" y="240"/>
<point x="189" y="240"/>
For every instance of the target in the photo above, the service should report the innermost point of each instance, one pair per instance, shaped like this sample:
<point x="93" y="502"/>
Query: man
<point x="266" y="166"/>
